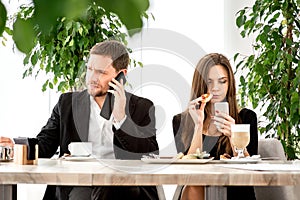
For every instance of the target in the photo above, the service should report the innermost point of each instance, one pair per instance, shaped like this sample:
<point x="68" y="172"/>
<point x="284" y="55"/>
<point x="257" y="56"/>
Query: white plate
<point x="241" y="160"/>
<point x="176" y="161"/>
<point x="78" y="158"/>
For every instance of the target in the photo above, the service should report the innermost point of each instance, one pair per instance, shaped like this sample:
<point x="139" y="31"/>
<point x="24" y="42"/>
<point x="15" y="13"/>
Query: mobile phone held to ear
<point x="108" y="104"/>
<point x="222" y="107"/>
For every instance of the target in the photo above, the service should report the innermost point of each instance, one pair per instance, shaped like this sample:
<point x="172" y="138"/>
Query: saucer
<point x="78" y="158"/>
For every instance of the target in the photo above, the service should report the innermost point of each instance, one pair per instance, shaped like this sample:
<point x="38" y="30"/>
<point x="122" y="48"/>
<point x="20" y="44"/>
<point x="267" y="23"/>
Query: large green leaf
<point x="3" y="17"/>
<point x="47" y="12"/>
<point x="23" y="35"/>
<point x="129" y="11"/>
<point x="73" y="8"/>
<point x="240" y="20"/>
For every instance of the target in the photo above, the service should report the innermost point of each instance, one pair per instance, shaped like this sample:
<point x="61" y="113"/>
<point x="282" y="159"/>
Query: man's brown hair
<point x="116" y="50"/>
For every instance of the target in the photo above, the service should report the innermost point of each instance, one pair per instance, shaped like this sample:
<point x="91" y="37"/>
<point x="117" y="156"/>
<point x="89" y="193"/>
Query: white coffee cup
<point x="80" y="148"/>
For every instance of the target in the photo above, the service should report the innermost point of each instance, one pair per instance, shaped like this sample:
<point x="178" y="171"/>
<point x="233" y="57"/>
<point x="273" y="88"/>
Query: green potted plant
<point x="272" y="82"/>
<point x="61" y="52"/>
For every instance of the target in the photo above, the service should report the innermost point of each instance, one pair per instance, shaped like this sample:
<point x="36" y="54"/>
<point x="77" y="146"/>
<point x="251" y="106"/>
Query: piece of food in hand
<point x="179" y="155"/>
<point x="225" y="156"/>
<point x="206" y="97"/>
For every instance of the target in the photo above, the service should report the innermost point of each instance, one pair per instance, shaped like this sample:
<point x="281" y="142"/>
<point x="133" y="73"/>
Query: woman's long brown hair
<point x="199" y="87"/>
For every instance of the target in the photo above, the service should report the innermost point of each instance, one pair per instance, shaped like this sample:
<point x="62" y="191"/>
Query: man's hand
<point x="120" y="99"/>
<point x="5" y="141"/>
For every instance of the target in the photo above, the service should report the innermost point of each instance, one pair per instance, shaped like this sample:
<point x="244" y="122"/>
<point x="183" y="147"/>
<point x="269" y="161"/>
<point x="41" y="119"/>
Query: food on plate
<point x="190" y="156"/>
<point x="206" y="97"/>
<point x="198" y="152"/>
<point x="225" y="156"/>
<point x="197" y="155"/>
<point x="179" y="155"/>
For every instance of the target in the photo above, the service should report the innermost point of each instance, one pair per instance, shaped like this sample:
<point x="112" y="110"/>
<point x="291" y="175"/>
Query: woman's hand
<point x="223" y="123"/>
<point x="198" y="118"/>
<point x="235" y="154"/>
<point x="197" y="114"/>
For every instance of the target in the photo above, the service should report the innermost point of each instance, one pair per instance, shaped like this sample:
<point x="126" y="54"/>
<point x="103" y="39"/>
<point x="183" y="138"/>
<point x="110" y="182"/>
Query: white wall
<point x="24" y="108"/>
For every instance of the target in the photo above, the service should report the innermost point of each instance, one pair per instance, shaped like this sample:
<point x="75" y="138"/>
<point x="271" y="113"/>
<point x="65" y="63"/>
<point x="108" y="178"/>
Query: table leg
<point x="8" y="192"/>
<point x="215" y="192"/>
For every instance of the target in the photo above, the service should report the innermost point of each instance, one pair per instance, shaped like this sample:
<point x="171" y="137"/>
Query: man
<point x="128" y="134"/>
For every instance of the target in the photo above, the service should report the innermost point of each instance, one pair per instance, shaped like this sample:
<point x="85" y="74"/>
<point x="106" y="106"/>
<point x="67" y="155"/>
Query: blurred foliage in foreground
<point x="56" y="36"/>
<point x="46" y="13"/>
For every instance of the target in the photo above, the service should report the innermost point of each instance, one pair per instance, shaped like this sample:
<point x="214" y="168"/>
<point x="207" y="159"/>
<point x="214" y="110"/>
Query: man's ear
<point x="124" y="71"/>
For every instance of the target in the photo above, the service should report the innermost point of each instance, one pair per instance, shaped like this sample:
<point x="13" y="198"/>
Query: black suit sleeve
<point x="137" y="135"/>
<point x="48" y="138"/>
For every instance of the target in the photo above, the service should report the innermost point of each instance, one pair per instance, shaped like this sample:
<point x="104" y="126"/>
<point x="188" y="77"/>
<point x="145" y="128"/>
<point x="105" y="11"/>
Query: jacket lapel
<point x="129" y="109"/>
<point x="81" y="113"/>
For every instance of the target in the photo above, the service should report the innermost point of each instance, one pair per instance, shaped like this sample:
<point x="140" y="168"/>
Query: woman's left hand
<point x="223" y="123"/>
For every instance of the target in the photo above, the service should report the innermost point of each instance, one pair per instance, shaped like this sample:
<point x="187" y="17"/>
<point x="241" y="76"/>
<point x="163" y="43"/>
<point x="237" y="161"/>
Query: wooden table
<point x="135" y="172"/>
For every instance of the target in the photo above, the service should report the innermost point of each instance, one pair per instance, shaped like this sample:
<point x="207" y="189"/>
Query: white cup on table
<point x="80" y="148"/>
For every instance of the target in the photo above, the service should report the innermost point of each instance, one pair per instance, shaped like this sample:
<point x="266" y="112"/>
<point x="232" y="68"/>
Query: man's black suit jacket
<point x="69" y="122"/>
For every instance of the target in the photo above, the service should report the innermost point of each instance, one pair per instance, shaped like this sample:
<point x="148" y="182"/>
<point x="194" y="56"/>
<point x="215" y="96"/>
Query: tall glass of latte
<point x="240" y="137"/>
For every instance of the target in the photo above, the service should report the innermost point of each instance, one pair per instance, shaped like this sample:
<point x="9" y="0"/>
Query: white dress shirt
<point x="100" y="133"/>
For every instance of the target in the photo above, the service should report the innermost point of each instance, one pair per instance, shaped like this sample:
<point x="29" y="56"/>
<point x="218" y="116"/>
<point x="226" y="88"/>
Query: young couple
<point x="130" y="132"/>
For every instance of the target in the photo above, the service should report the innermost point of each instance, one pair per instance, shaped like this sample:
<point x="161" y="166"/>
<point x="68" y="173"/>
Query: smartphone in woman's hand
<point x="222" y="107"/>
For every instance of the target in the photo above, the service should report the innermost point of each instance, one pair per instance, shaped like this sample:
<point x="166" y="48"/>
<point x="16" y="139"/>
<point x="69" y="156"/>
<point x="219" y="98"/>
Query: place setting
<point x="80" y="151"/>
<point x="240" y="138"/>
<point x="197" y="158"/>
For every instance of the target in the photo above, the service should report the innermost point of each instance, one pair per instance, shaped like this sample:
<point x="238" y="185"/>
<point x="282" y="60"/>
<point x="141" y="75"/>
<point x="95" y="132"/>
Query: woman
<point x="208" y="129"/>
